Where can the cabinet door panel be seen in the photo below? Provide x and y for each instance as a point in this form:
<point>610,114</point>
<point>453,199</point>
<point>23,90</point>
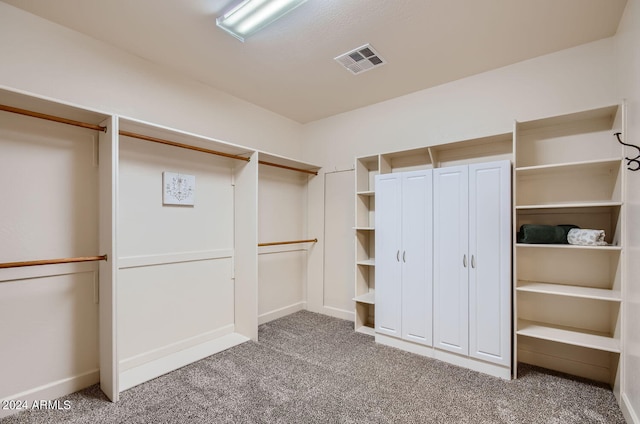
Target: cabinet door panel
<point>388,271</point>
<point>490,272</point>
<point>450,232</point>
<point>417,257</point>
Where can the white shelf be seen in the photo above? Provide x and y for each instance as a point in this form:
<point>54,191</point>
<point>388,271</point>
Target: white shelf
<point>366,193</point>
<point>568,335</point>
<point>599,204</point>
<point>369,331</point>
<point>567,166</point>
<point>568,290</point>
<point>369,298</point>
<point>367,262</point>
<point>363,228</point>
<point>569,246</point>
<point>607,112</point>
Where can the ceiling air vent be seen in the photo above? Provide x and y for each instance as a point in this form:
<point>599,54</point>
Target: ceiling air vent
<point>361,59</point>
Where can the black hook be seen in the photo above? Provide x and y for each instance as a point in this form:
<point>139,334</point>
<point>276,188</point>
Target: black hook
<point>635,160</point>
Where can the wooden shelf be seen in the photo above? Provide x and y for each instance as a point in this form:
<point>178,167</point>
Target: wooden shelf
<point>366,193</point>
<point>568,246</point>
<point>568,335</point>
<point>569,290</point>
<point>363,228</point>
<point>369,298</point>
<point>367,262</point>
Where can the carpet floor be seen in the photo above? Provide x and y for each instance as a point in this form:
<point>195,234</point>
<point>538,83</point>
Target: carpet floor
<point>310,368</point>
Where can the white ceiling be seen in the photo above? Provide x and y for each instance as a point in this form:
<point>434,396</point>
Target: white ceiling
<point>288,67</point>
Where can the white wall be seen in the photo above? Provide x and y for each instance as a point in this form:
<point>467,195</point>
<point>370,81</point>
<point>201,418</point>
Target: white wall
<point>628,66</point>
<point>485,104</point>
<point>45,58</point>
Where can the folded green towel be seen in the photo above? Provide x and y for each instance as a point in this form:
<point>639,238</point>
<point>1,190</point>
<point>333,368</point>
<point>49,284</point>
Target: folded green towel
<point>544,234</point>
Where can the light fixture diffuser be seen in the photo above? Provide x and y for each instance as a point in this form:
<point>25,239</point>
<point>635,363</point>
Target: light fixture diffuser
<point>252,15</point>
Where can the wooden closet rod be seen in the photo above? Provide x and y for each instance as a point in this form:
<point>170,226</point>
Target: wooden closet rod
<point>52,118</point>
<point>53,261</point>
<point>183,146</point>
<point>276,243</point>
<point>262,162</point>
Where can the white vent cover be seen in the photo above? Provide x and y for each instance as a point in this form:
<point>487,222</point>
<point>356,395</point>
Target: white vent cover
<point>360,60</point>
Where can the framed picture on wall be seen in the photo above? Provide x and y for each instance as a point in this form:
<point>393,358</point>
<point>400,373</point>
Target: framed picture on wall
<point>178,189</point>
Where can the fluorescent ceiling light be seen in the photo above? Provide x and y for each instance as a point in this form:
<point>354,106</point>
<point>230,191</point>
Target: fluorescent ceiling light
<point>252,15</point>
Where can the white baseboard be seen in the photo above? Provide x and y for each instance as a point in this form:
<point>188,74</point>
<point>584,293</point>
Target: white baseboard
<point>338,313</point>
<point>150,370</point>
<point>451,358</point>
<point>422,350</point>
<point>282,312</point>
<point>53,390</point>
<point>627,410</point>
<point>164,351</point>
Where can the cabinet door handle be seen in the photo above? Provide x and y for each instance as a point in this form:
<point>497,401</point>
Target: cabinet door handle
<point>473,261</point>
<point>403,256</point>
<point>464,260</point>
<point>398,256</point>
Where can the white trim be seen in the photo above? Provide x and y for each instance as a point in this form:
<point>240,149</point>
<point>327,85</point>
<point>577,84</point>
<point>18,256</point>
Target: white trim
<point>168,363</point>
<point>451,358</point>
<point>338,313</point>
<point>627,410</point>
<point>282,312</point>
<point>166,350</point>
<point>418,349</point>
<point>54,390</point>
<point>173,258</point>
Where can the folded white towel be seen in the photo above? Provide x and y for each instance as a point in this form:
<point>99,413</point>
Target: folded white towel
<point>585,237</point>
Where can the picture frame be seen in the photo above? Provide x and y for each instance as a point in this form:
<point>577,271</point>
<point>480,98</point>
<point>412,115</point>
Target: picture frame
<point>178,189</point>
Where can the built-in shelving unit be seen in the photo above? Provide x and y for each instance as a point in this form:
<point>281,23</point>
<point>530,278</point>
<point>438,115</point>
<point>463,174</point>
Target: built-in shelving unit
<point>366,168</point>
<point>482,149</point>
<point>567,306</point>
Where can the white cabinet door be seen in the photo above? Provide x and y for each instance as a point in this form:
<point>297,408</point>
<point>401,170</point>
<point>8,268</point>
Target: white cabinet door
<point>417,257</point>
<point>388,271</point>
<point>490,262</point>
<point>450,280</point>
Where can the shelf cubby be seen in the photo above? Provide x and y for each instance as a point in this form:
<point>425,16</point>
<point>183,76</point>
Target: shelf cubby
<point>407,160</point>
<point>576,137</point>
<point>570,291</point>
<point>569,335</point>
<point>597,267</point>
<point>593,215</point>
<point>577,182</point>
<point>483,149</point>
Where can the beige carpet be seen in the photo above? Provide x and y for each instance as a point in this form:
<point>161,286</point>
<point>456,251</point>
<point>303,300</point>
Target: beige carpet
<point>309,368</point>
